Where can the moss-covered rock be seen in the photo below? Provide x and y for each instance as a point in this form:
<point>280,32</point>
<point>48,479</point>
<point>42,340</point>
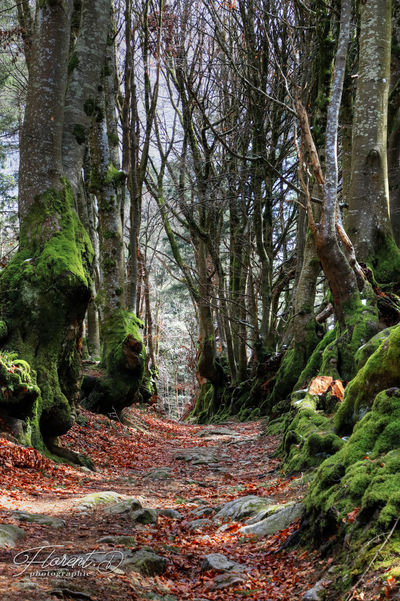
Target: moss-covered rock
<point>309,438</point>
<point>381,371</point>
<point>366,350</point>
<point>363,474</point>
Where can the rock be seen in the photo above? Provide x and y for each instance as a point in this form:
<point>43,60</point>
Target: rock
<point>170,513</point>
<point>39,518</point>
<point>98,498</point>
<point>316,593</point>
<point>210,461</point>
<point>217,432</point>
<point>160,473</point>
<point>9,535</point>
<point>144,516</point>
<point>226,580</point>
<point>124,506</point>
<point>244,507</point>
<point>128,541</point>
<point>276,522</point>
<point>264,513</point>
<point>198,455</point>
<point>198,524</point>
<point>217,561</point>
<point>202,512</point>
<point>147,562</point>
<point>27,585</point>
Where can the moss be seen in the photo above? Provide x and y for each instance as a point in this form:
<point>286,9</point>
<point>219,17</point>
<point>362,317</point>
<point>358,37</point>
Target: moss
<point>89,107</point>
<point>293,365</point>
<point>366,350</point>
<point>113,139</point>
<point>123,358</point>
<point>365,473</point>
<point>314,363</point>
<point>203,410</point>
<point>79,133</point>
<point>73,62</point>
<point>385,262</point>
<point>115,176</point>
<point>309,439</point>
<point>45,290</point>
<point>379,372</point>
<point>18,388</point>
<point>3,331</point>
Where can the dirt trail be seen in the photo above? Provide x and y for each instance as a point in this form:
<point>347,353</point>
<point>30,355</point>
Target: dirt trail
<point>203,468</point>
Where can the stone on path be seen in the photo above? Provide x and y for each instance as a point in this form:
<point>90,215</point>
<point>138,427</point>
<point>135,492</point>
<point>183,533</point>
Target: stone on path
<point>95,499</point>
<point>219,562</point>
<point>316,593</point>
<point>264,513</point>
<point>143,516</point>
<point>276,522</point>
<point>159,473</point>
<point>243,507</point>
<point>197,455</point>
<point>226,580</point>
<point>39,518</point>
<point>198,524</point>
<point>128,541</point>
<point>147,562</point>
<point>9,535</point>
<point>217,432</point>
<point>124,506</point>
<point>201,512</point>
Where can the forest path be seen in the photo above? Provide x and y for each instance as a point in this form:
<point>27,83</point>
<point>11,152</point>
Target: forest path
<point>186,473</point>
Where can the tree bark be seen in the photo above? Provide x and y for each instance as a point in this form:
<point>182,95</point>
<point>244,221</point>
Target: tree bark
<point>46,288</point>
<point>367,221</point>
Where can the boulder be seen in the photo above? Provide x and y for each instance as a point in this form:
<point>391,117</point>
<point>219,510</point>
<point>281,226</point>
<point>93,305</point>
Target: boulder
<point>124,506</point>
<point>143,516</point>
<point>197,455</point>
<point>159,473</point>
<point>201,512</point>
<point>316,593</point>
<point>147,562</point>
<point>9,535</point>
<point>198,524</point>
<point>264,513</point>
<point>95,499</point>
<point>244,507</point>
<point>276,522</point>
<point>39,518</point>
<point>226,580</point>
<point>220,563</point>
<point>217,431</point>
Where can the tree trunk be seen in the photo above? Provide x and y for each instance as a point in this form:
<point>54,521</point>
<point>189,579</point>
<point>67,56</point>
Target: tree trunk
<point>46,287</point>
<point>368,222</point>
<point>123,354</point>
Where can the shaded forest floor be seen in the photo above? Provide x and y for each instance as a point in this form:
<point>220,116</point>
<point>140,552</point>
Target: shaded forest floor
<point>223,467</point>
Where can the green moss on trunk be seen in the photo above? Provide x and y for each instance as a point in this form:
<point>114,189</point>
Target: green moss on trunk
<point>45,290</point>
<point>124,360</point>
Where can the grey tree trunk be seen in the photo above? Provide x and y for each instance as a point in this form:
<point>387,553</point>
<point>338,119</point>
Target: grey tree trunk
<point>367,221</point>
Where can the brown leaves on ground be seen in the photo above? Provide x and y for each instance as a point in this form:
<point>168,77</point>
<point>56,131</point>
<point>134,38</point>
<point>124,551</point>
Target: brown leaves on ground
<point>123,456</point>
